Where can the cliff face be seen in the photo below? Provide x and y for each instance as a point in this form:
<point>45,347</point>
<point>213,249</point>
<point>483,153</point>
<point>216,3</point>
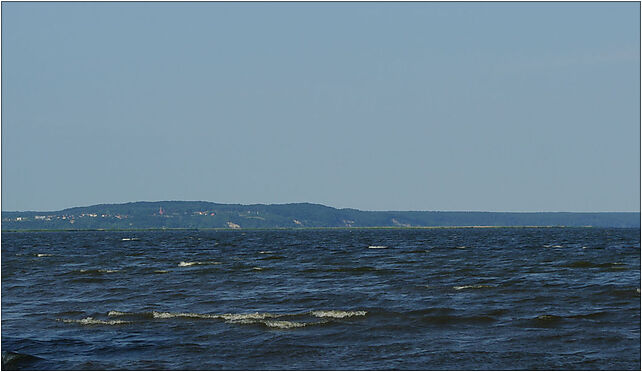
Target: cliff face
<point>190,214</point>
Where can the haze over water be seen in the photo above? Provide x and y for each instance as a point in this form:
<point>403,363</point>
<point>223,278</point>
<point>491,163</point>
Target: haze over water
<point>463,299</point>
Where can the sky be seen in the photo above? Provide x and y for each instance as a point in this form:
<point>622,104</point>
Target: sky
<point>374,106</point>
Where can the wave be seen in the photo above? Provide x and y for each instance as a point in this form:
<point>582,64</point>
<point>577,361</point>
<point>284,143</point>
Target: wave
<point>620,292</point>
<point>91,321</point>
<point>475,286</point>
<point>599,314</point>
<point>164,315</point>
<point>377,247</point>
<point>16,361</point>
<point>266,319</point>
<point>250,316</point>
<point>128,239</point>
<point>549,318</point>
<point>168,315</point>
<point>118,313</point>
<point>95,271</point>
<point>89,271</point>
<point>44,255</point>
<point>194,263</point>
<point>552,319</point>
<point>243,318</point>
<point>337,313</point>
<point>284,324</point>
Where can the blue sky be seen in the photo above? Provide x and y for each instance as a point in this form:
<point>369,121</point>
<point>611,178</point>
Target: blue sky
<point>375,106</point>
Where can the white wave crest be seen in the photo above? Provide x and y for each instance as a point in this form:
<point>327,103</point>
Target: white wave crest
<point>44,255</point>
<point>90,320</point>
<point>337,313</point>
<point>183,263</point>
<point>283,324</point>
<point>98,271</point>
<point>247,316</point>
<point>164,315</point>
<point>477,286</point>
<point>377,246</point>
<point>117,313</point>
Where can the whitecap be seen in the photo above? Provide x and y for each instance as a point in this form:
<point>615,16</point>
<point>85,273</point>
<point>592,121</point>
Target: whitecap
<point>377,246</point>
<point>265,252</point>
<point>90,321</point>
<point>44,255</point>
<point>477,286</point>
<point>98,271</point>
<point>257,268</point>
<point>337,313</point>
<point>164,315</point>
<point>184,264</point>
<point>242,321</point>
<point>283,324</point>
<point>250,316</point>
<point>117,313</point>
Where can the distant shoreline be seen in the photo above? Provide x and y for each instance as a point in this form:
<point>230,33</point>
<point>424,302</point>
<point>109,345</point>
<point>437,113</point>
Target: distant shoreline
<point>315,228</point>
<point>190,215</point>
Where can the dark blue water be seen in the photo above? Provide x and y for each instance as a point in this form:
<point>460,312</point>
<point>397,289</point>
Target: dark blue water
<point>559,298</point>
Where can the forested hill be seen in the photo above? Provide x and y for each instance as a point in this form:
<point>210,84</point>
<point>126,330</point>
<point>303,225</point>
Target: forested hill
<point>197,214</point>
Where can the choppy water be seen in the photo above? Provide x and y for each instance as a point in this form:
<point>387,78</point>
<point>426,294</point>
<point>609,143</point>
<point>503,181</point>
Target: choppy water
<point>559,298</point>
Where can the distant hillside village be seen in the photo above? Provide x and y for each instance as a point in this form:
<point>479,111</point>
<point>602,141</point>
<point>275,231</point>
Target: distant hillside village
<point>55,217</point>
<point>81,218</point>
<point>199,215</point>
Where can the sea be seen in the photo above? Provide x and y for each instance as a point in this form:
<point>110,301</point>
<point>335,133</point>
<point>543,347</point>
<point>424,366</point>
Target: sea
<point>344,299</point>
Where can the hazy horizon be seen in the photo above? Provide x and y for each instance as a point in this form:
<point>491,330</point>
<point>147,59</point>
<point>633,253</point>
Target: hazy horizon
<point>498,107</point>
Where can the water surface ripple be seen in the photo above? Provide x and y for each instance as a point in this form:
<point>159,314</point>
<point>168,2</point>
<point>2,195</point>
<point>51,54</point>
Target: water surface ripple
<point>370,299</point>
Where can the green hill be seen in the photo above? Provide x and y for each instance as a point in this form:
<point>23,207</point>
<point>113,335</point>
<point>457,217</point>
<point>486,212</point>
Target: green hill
<point>199,214</point>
